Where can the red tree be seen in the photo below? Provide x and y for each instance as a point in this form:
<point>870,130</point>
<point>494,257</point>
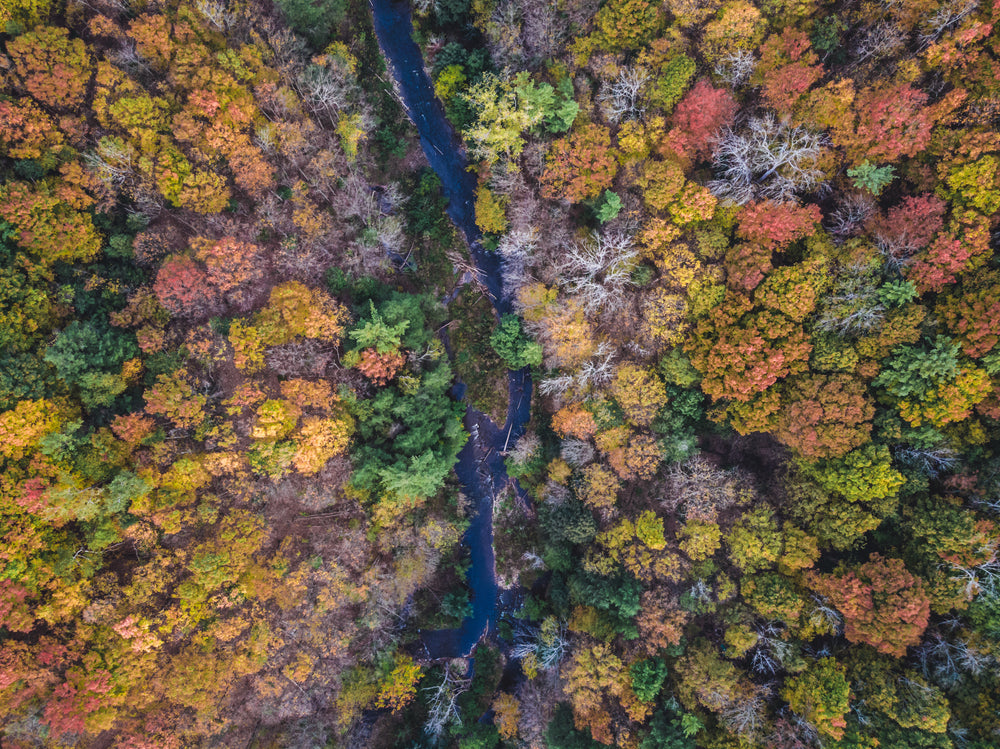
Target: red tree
<point>825,416</point>
<point>883,604</point>
<point>912,223</point>
<point>890,122</point>
<point>183,288</point>
<point>777,225</point>
<point>700,115</point>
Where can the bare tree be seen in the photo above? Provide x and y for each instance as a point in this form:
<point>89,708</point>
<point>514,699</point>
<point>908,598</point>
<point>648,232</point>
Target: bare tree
<point>746,715</point>
<point>767,159</point>
<point>944,18</point>
<point>597,271</point>
<point>516,249</point>
<point>543,29</point>
<point>850,215</point>
<point>622,98</point>
<point>825,617</point>
<point>884,39</point>
<point>736,67</point>
<point>932,461</point>
<point>854,306</point>
<point>576,452</point>
<point>702,489</point>
<point>547,643</point>
<point>442,701</point>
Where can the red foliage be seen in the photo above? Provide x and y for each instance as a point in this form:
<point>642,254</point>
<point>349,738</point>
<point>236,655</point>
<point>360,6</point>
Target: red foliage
<point>974,315</point>
<point>235,268</point>
<point>891,121</point>
<point>700,115</point>
<point>380,368</point>
<point>184,289</point>
<point>15,611</point>
<point>883,604</point>
<point>766,226</point>
<point>910,225</point>
<point>789,68</point>
<point>777,225</point>
<point>938,266</point>
<point>825,416</point>
<point>746,265</point>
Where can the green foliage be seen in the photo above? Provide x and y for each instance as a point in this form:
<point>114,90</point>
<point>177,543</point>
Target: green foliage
<point>425,210</point>
<point>872,178</point>
<point>449,12</point>
<point>669,86</point>
<point>570,521</point>
<point>512,344</point>
<point>562,734</point>
<point>897,293</point>
<point>609,207</point>
<point>825,36</point>
<point>668,732</point>
<point>88,355</point>
<point>914,370</point>
<point>316,20</point>
<point>864,474</point>
<point>648,677</point>
<point>375,332</point>
<point>617,597</point>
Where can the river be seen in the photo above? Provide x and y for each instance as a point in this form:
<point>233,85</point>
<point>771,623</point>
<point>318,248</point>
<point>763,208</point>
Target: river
<point>480,467</point>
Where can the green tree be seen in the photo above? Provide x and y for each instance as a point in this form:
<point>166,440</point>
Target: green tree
<point>513,345</point>
<point>88,355</point>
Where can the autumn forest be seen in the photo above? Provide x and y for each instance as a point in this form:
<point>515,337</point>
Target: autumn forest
<point>741,258</point>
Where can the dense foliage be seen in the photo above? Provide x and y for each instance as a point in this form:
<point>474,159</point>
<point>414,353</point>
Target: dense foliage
<point>751,252</point>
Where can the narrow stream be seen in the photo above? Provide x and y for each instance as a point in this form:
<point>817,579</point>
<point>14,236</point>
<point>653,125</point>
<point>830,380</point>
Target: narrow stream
<point>480,467</point>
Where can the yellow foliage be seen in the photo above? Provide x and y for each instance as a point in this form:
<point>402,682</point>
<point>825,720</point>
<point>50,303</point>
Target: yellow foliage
<point>665,315</point>
<point>321,439</point>
<point>490,216</point>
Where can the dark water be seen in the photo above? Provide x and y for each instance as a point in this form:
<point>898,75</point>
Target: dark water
<point>480,467</point>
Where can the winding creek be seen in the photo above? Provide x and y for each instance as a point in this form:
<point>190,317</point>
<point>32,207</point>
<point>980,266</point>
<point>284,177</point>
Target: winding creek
<point>480,467</point>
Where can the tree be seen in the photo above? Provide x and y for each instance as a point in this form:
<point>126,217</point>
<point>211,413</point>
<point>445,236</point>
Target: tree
<point>909,226</point>
<point>872,178</point>
<point>889,122</point>
<point>742,353</point>
<point>591,673</point>
<point>737,26</point>
<point>824,416</point>
<point>172,397</point>
<point>51,67</point>
<point>972,312</point>
<point>700,116</point>
<point>598,487</point>
<point>513,345</point>
<point>627,24</point>
<point>50,221</point>
<point>768,159</point>
<point>821,695</point>
<point>399,686</point>
<point>580,166</point>
<point>89,356</point>
<point>640,393</point>
<point>183,288</point>
<point>883,604</point>
<point>775,226</point>
<point>501,117</point>
<point>788,68</point>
